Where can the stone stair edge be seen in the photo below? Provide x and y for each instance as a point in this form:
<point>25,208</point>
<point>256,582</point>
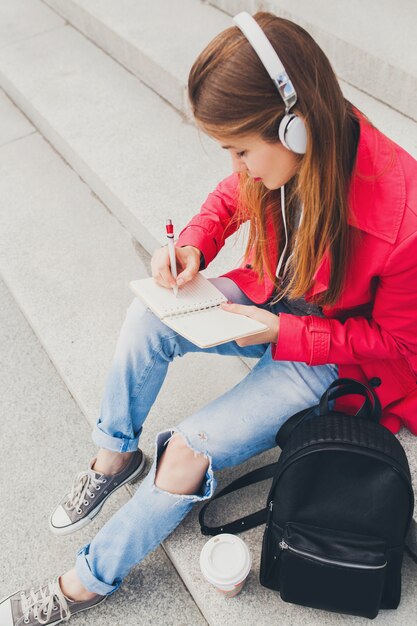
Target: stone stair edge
<point>355,62</point>
<point>406,438</point>
<point>170,134</point>
<point>146,63</point>
<point>400,127</point>
<point>174,542</point>
<point>53,433</point>
<point>364,69</point>
<point>71,158</point>
<point>74,302</point>
<point>140,228</point>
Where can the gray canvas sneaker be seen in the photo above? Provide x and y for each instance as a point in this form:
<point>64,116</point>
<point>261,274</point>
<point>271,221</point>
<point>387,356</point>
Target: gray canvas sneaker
<point>89,492</point>
<point>45,604</point>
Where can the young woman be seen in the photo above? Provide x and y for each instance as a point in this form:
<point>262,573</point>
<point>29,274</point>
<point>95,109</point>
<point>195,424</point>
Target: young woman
<point>330,268</point>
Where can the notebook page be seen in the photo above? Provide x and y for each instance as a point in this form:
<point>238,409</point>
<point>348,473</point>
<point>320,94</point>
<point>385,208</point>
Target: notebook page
<point>199,293</point>
<point>211,327</point>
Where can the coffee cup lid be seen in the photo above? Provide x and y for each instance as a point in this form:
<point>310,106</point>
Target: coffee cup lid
<point>225,559</point>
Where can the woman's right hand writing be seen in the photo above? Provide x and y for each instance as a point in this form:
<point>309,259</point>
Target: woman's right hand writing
<point>188,264</point>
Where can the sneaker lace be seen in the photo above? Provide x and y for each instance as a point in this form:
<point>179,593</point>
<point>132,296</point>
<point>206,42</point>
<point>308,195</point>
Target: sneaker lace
<point>42,600</point>
<point>83,485</point>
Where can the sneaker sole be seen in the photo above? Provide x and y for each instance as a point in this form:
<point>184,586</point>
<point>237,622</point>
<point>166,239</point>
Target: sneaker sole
<point>68,530</point>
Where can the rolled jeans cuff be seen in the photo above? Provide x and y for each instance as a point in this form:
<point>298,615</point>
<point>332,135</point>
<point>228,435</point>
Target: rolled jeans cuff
<point>90,582</point>
<point>115,444</point>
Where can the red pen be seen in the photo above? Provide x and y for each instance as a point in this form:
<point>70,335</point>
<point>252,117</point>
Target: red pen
<point>173,262</point>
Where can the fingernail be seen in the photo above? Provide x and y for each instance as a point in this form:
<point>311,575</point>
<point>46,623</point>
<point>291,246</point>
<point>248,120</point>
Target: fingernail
<point>180,281</point>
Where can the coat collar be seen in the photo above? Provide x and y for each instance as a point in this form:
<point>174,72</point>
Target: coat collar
<point>377,188</point>
<point>376,194</point>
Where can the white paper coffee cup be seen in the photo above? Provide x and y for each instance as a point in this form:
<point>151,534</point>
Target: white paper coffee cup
<point>225,562</point>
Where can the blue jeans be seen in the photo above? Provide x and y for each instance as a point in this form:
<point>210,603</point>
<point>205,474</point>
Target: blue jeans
<point>229,430</point>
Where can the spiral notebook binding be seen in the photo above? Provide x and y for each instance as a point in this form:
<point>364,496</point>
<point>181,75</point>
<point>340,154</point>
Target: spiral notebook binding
<point>186,310</point>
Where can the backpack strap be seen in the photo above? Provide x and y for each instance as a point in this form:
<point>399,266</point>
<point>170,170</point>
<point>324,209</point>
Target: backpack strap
<point>371,408</point>
<point>243,523</point>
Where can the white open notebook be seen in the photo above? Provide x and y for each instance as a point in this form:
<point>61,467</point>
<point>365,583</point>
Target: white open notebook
<point>195,313</point>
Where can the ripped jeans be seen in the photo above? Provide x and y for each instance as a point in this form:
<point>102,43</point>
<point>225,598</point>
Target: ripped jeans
<point>235,426</point>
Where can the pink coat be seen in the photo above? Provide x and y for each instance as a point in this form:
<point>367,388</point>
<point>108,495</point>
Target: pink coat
<point>371,332</point>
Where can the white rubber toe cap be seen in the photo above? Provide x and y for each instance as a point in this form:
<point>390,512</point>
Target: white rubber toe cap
<point>59,518</point>
<point>6,618</point>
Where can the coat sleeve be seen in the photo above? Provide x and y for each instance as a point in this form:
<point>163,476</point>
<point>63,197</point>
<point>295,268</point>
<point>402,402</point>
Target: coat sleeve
<point>391,333</point>
<point>209,229</point>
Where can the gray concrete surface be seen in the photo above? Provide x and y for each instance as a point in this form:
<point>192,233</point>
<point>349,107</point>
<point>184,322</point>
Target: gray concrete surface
<point>37,19</point>
<point>155,40</point>
<point>66,85</point>
<point>370,44</point>
<point>375,53</point>
<point>74,295</point>
<point>14,125</point>
<point>67,261</point>
<point>135,151</point>
<point>45,443</point>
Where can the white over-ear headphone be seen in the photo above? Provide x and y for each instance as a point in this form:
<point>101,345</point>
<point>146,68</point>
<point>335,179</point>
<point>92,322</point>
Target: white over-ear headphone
<point>292,131</point>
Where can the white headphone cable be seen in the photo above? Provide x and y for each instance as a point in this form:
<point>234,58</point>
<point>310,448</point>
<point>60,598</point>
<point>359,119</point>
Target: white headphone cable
<point>281,258</point>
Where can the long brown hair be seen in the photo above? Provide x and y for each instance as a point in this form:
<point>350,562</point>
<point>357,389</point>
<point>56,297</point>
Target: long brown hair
<point>231,94</point>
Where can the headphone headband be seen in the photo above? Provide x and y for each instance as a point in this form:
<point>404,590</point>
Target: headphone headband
<point>270,59</point>
<point>292,131</point>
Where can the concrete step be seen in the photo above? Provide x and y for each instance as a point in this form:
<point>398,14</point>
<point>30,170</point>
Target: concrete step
<point>370,44</point>
<point>373,52</point>
<point>134,150</point>
<point>88,106</point>
<point>62,300</point>
<point>49,441</point>
<point>67,263</point>
<point>74,296</point>
<point>156,41</point>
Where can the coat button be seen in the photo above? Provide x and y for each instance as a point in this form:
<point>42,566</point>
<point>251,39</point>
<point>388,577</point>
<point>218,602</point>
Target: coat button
<point>375,381</point>
<point>248,266</point>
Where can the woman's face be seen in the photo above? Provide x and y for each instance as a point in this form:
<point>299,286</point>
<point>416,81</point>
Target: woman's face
<point>272,164</point>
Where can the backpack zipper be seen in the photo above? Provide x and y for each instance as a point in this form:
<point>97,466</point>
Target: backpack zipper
<point>284,546</point>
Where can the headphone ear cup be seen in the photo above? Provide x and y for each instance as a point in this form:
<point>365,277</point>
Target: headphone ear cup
<point>292,133</point>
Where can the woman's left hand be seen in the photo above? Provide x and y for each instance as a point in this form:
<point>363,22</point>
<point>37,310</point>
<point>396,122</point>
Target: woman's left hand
<point>269,319</point>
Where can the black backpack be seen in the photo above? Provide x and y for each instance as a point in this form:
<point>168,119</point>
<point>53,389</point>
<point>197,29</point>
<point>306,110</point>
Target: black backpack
<point>338,511</point>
